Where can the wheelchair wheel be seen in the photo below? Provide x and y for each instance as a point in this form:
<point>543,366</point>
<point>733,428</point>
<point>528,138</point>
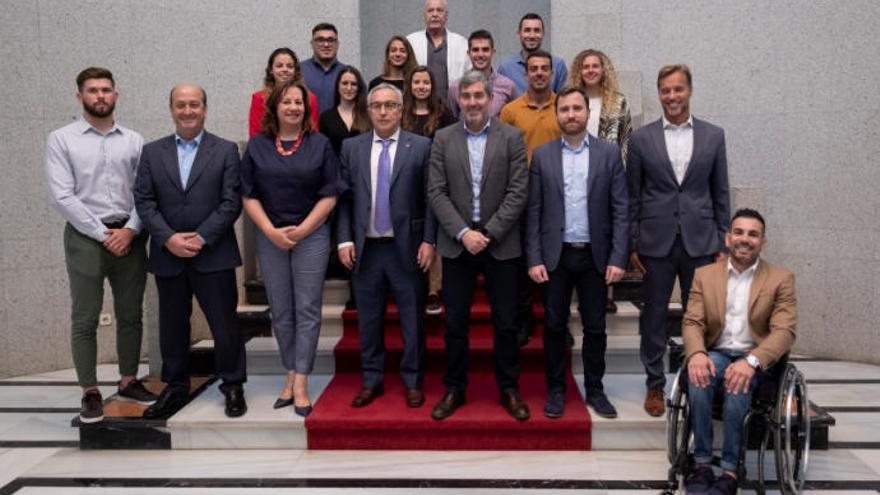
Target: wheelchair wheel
<point>792,435</point>
<point>678,424</point>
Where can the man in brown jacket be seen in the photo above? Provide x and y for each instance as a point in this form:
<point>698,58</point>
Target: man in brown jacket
<point>741,318</point>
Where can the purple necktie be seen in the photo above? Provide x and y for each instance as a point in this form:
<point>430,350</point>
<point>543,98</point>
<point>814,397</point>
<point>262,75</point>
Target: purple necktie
<point>382,221</point>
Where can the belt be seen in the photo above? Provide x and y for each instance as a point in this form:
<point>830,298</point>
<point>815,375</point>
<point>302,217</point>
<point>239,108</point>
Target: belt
<point>576,245</point>
<point>117,224</point>
<point>380,240</point>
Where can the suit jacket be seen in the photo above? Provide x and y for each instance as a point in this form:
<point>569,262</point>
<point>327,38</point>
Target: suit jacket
<point>658,205</point>
<point>772,311</point>
<point>503,188</point>
<point>411,218</point>
<point>208,204</point>
<point>457,60</point>
<point>607,205</point>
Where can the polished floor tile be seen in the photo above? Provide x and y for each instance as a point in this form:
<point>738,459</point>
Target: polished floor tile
<point>838,370</point>
<point>45,396</point>
<point>855,427</point>
<point>42,427</point>
<point>848,395</point>
<point>16,462</point>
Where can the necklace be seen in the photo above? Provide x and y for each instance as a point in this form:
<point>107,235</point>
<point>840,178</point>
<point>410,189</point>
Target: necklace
<point>283,152</point>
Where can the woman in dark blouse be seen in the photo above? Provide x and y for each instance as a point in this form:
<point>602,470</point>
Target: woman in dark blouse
<point>423,109</point>
<point>399,60</point>
<point>349,117</point>
<point>289,180</point>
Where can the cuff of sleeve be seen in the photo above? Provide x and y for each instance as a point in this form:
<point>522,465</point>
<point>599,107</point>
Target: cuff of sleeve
<point>461,234</point>
<point>344,244</point>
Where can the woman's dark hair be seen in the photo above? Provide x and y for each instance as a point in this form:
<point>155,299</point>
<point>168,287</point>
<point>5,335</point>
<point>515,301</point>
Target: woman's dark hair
<point>269,80</point>
<point>270,118</point>
<point>410,56</point>
<point>435,104</point>
<point>360,119</point>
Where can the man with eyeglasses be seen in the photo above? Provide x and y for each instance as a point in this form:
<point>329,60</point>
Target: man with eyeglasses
<point>444,52</point>
<point>386,238</point>
<point>320,71</point>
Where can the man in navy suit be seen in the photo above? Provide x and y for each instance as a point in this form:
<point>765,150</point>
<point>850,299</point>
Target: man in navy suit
<point>187,194</point>
<point>576,238</point>
<point>679,212</point>
<point>386,236</point>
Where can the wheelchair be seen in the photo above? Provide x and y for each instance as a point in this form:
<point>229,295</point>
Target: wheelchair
<point>779,417</point>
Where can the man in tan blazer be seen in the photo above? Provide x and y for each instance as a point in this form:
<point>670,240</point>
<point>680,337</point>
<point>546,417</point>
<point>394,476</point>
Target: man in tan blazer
<point>741,318</point>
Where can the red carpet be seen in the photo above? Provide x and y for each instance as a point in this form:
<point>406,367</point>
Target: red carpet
<point>481,424</point>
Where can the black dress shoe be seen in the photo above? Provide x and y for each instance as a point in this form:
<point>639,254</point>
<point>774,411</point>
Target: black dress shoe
<point>447,405</point>
<point>303,410</point>
<point>367,395</point>
<point>235,404</point>
<point>414,397</point>
<point>279,403</point>
<point>514,405</point>
<point>169,402</point>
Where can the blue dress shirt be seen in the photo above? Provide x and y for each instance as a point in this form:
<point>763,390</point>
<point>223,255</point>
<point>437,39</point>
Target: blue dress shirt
<point>476,143</point>
<point>576,171</point>
<point>186,155</point>
<point>514,68</point>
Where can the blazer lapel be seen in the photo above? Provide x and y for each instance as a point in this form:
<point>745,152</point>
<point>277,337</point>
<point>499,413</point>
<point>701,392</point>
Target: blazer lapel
<point>757,284</point>
<point>720,300</point>
<point>172,166</point>
<point>660,144</point>
<point>400,157</point>
<point>202,159</point>
<point>699,134</point>
<point>488,153</point>
<point>593,172</point>
<point>461,139</point>
<point>364,165</point>
<point>557,170</point>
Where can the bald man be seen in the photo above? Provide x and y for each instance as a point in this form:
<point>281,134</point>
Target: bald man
<point>187,194</point>
<point>444,52</point>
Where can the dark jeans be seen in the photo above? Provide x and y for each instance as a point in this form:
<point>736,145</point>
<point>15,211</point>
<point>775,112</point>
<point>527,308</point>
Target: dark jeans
<point>459,282</point>
<point>656,291</point>
<point>577,271</point>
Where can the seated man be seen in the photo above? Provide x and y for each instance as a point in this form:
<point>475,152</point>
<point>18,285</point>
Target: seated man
<point>740,318</point>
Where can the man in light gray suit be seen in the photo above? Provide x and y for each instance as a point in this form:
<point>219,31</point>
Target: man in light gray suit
<point>478,189</point>
<point>386,237</point>
<point>679,212</point>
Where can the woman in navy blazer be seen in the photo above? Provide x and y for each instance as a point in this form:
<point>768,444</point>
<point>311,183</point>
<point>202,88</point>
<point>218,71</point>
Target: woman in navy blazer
<point>290,182</point>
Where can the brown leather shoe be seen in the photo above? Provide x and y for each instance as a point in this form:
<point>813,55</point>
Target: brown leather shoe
<point>514,405</point>
<point>655,403</point>
<point>447,405</point>
<point>414,397</point>
<point>367,395</point>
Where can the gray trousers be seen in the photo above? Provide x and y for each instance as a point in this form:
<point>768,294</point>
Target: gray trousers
<point>294,283</point>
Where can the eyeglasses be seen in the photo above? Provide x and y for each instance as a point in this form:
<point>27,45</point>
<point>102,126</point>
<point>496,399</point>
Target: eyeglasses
<point>389,106</point>
<point>324,41</point>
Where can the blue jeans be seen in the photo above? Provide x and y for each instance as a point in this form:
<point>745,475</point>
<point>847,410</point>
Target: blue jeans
<point>735,408</point>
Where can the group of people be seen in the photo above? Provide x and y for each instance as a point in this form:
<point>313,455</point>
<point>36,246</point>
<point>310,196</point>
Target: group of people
<point>530,174</point>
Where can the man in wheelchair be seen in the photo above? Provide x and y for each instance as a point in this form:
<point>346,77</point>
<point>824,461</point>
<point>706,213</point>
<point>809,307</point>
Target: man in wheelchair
<point>741,318</point>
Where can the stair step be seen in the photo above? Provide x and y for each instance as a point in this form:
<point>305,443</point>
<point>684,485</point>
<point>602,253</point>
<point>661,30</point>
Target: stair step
<point>202,424</point>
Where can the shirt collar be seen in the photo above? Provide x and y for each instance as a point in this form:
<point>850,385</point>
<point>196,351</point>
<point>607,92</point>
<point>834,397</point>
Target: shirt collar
<point>582,147</point>
<point>318,65</point>
<point>394,137</point>
<point>689,123</point>
<point>483,131</point>
<point>195,141</point>
<point>752,269</point>
<point>84,127</point>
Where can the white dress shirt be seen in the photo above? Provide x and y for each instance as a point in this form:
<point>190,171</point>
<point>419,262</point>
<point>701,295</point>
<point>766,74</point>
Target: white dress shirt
<point>375,151</point>
<point>595,115</point>
<point>736,335</point>
<point>679,145</point>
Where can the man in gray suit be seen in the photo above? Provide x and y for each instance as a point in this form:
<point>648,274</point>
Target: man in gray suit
<point>679,212</point>
<point>478,189</point>
<point>576,238</point>
<point>386,237</point>
<point>187,194</point>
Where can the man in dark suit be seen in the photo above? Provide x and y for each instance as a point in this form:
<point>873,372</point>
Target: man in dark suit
<point>478,189</point>
<point>386,237</point>
<point>187,194</point>
<point>576,238</point>
<point>679,211</point>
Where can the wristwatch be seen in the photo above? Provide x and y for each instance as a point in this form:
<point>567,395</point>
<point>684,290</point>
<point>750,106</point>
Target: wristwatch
<point>753,361</point>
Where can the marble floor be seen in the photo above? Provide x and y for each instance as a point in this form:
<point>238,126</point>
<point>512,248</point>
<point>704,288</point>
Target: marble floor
<point>37,455</point>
